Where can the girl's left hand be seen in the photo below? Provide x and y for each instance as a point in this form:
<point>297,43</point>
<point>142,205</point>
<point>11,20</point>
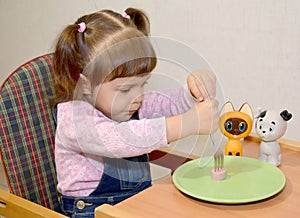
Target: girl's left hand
<point>202,84</point>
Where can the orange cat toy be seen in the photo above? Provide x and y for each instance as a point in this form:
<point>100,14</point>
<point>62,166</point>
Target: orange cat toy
<point>235,124</point>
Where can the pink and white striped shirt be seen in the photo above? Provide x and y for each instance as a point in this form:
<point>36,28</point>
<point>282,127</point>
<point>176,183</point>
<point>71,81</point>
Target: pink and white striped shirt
<point>84,135</point>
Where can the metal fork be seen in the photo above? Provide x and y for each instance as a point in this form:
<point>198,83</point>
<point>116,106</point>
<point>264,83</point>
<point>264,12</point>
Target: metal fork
<point>219,160</point>
<point>216,152</point>
<point>218,156</point>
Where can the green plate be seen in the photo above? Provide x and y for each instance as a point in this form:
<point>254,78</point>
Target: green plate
<point>247,180</point>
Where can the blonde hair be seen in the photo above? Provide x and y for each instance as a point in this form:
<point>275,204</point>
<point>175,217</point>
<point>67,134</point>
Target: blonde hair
<point>109,47</point>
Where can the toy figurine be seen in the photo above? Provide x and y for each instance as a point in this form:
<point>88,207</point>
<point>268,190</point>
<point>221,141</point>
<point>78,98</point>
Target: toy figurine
<point>235,124</point>
<point>270,126</point>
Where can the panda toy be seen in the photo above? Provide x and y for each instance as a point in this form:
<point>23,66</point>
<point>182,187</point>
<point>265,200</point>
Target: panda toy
<point>270,126</point>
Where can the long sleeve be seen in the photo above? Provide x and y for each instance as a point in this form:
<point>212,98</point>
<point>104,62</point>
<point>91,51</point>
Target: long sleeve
<point>81,128</point>
<point>166,103</point>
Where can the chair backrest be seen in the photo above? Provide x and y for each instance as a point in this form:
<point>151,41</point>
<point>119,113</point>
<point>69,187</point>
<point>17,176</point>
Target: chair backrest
<point>27,132</point>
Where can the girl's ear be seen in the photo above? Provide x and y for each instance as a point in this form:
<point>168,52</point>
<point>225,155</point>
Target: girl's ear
<point>246,109</point>
<point>227,107</point>
<point>86,85</point>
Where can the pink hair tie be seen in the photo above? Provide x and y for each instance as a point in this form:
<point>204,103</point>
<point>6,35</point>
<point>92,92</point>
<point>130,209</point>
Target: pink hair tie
<point>82,27</point>
<point>125,15</point>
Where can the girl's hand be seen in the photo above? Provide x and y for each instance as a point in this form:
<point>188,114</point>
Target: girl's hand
<point>203,117</point>
<point>202,85</point>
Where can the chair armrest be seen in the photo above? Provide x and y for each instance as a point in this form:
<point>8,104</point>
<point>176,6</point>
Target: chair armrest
<point>14,206</point>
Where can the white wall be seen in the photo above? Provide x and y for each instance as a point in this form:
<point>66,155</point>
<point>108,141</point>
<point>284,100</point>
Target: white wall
<point>252,45</point>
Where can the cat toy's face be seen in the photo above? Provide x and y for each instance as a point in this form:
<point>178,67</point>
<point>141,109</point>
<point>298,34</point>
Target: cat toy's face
<point>235,124</point>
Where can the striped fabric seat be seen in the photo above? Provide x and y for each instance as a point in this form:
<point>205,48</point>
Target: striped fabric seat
<point>27,132</point>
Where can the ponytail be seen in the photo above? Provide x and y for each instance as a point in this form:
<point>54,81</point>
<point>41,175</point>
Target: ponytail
<point>67,62</point>
<point>140,20</point>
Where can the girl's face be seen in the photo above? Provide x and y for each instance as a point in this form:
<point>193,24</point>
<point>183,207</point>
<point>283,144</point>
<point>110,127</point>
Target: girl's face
<point>120,98</point>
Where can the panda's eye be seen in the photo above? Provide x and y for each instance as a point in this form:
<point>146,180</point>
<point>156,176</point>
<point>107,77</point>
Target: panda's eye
<point>270,129</point>
<point>228,125</point>
<point>242,126</point>
<point>260,127</point>
<point>260,119</point>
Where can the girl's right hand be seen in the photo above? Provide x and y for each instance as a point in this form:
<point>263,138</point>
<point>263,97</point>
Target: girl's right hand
<point>202,118</point>
<point>202,84</point>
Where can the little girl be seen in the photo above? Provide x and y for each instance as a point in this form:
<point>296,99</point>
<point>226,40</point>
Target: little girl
<point>106,124</point>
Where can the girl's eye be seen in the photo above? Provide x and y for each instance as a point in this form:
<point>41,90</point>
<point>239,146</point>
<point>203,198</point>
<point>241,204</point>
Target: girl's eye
<point>242,126</point>
<point>124,90</point>
<point>228,125</point>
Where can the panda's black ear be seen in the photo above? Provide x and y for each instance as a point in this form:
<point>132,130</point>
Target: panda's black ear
<point>262,114</point>
<point>286,115</point>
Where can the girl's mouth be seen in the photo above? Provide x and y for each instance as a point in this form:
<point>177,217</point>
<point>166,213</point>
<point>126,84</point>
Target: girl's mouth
<point>132,112</point>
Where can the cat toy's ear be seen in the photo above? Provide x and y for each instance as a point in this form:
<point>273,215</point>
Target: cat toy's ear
<point>246,109</point>
<point>227,107</point>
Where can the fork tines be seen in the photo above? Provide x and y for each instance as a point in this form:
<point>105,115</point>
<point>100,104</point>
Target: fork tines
<point>218,161</point>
